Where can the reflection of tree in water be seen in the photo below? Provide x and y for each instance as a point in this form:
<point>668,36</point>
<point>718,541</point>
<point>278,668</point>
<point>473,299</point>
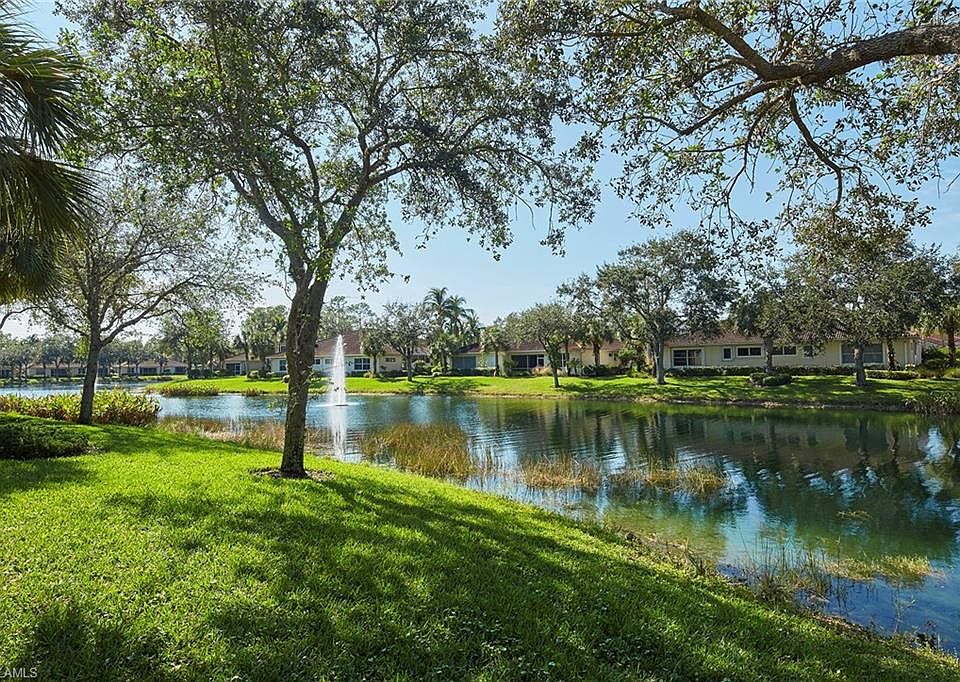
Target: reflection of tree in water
<point>880,503</point>
<point>864,481</point>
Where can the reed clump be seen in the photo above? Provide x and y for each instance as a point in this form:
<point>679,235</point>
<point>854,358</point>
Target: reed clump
<point>560,472</point>
<point>698,479</point>
<point>249,433</point>
<point>439,450</point>
<point>896,569</point>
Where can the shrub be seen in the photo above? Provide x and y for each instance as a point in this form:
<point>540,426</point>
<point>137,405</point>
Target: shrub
<point>109,407</point>
<point>897,374</point>
<point>421,367</point>
<point>756,378</point>
<point>27,438</point>
<point>777,380</point>
<point>186,389</point>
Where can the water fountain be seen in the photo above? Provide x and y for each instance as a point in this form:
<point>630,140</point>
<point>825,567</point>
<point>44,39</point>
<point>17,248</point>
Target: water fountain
<point>337,394</point>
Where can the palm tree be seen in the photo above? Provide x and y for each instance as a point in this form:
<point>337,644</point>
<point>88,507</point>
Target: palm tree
<point>43,201</point>
<point>451,320</point>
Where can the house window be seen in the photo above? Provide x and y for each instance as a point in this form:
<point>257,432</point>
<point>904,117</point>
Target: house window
<point>361,364</point>
<point>389,359</point>
<point>328,361</point>
<point>728,353</point>
<point>872,354</point>
<point>612,355</point>
<point>688,357</point>
<point>527,361</point>
<point>784,350</point>
<point>749,351</point>
<point>283,365</point>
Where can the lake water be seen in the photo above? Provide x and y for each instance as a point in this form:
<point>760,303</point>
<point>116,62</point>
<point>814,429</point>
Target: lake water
<point>844,485</point>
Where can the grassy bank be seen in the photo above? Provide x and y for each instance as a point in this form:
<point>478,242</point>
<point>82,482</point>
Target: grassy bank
<point>163,557</point>
<point>804,390</point>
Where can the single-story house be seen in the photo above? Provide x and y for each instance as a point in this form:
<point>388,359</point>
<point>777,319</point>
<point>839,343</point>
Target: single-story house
<point>530,355</point>
<point>354,359</point>
<point>78,369</point>
<point>240,365</point>
<point>735,350</point>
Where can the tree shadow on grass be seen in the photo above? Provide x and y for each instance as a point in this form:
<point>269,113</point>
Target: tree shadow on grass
<point>381,577</point>
<point>68,642</point>
<point>19,475</point>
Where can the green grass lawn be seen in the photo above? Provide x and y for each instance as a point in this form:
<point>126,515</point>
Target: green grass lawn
<point>162,557</point>
<point>815,390</point>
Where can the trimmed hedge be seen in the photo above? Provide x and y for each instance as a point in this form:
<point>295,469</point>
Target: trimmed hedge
<point>897,374</point>
<point>748,371</point>
<point>29,438</point>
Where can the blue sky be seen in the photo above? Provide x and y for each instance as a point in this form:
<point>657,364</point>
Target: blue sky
<point>527,272</point>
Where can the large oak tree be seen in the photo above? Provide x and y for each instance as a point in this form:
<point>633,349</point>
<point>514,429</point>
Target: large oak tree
<point>316,115</point>
<point>704,99</point>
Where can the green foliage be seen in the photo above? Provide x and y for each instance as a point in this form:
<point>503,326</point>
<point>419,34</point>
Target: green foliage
<point>936,402</point>
<point>703,99</point>
<point>898,374</point>
<point>44,201</point>
<point>184,389</point>
<point>549,324</point>
<point>109,407</point>
<point>665,287</point>
<point>29,438</point>
<point>771,379</point>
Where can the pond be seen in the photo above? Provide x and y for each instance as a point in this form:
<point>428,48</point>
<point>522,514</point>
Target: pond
<point>875,493</point>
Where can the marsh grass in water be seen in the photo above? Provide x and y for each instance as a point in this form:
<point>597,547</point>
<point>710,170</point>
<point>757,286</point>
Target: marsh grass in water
<point>895,569</point>
<point>563,471</point>
<point>782,573</point>
<point>438,450</point>
<point>109,407</point>
<point>695,479</point>
<point>250,433</point>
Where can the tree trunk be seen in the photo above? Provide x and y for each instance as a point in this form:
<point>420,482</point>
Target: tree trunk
<point>658,362</point>
<point>496,363</point>
<point>556,376</point>
<point>891,355</point>
<point>596,358</point>
<point>861,373</point>
<point>374,365</point>
<point>90,382</point>
<point>409,363</point>
<point>303,323</point>
<point>952,345</point>
<point>768,351</point>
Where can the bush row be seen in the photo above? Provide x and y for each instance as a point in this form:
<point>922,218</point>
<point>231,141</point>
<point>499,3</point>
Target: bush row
<point>109,407</point>
<point>181,390</point>
<point>876,371</point>
<point>29,438</point>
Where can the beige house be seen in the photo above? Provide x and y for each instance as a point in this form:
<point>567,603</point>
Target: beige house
<point>529,355</point>
<point>239,365</point>
<point>734,350</point>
